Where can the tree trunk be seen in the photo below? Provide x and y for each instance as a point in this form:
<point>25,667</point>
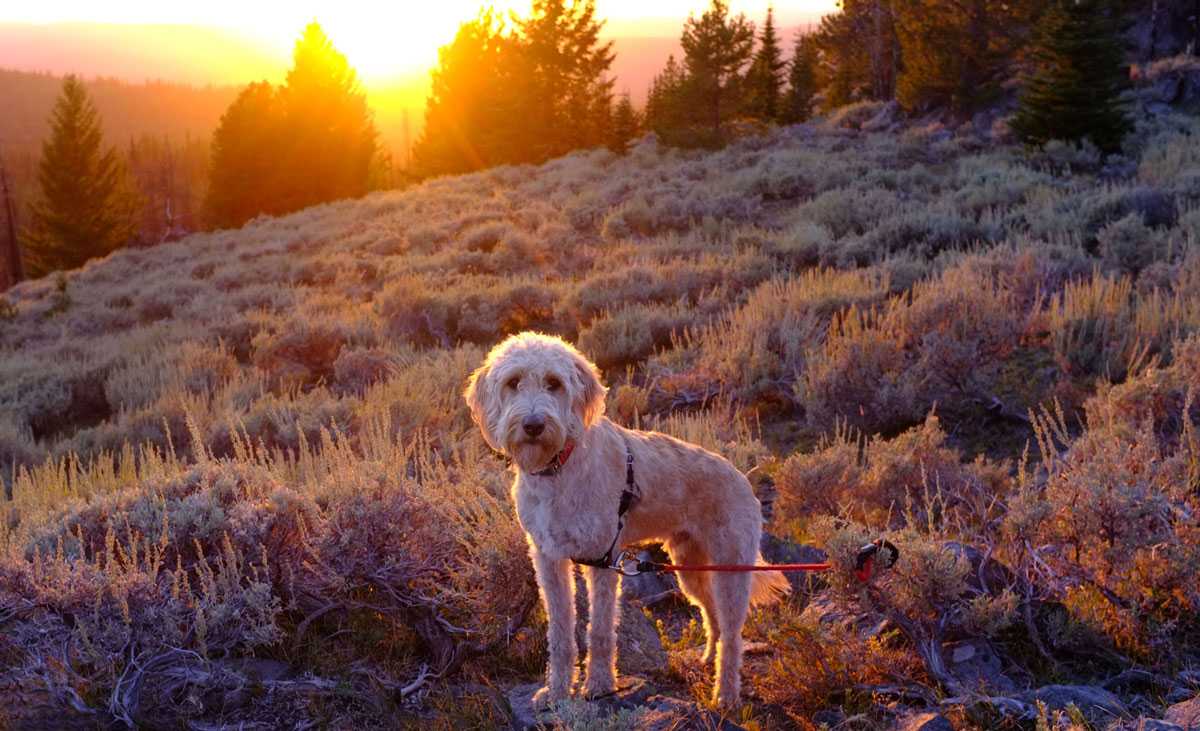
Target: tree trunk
<point>14,271</point>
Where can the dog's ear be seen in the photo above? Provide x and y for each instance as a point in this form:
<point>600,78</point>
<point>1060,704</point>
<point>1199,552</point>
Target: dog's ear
<point>589,394</point>
<point>481,399</point>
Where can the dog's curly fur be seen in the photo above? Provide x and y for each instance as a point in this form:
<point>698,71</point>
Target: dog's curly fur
<point>693,501</point>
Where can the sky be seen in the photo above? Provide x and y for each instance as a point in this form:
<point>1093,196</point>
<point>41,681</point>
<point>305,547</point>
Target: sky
<point>383,40</point>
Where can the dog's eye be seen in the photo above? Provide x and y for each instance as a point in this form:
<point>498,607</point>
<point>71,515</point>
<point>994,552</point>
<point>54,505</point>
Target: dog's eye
<point>513,382</point>
<point>553,384</point>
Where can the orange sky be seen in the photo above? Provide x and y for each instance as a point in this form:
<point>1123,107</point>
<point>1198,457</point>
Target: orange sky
<point>384,40</point>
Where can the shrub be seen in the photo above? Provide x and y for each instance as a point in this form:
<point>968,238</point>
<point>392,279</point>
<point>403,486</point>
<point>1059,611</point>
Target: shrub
<point>301,354</point>
<point>630,335</point>
<point>761,347</point>
<point>886,481</point>
<point>943,342</point>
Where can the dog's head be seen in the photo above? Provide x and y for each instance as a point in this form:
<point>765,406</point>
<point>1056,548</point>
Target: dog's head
<point>532,393</point>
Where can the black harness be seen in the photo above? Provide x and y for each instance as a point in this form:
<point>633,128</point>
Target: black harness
<point>630,494</point>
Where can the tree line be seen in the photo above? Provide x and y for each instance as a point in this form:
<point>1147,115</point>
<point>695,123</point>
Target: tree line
<point>511,90</point>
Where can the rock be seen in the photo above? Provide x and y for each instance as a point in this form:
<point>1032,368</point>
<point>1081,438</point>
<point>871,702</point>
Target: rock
<point>1185,714</point>
<point>1157,209</point>
<point>778,550</point>
<point>830,717</point>
<point>1097,704</point>
<point>989,577</point>
<point>975,665</point>
<point>640,706</point>
<point>639,648</point>
<point>923,722</point>
<point>824,611</point>
<point>646,586</point>
<point>1144,724</point>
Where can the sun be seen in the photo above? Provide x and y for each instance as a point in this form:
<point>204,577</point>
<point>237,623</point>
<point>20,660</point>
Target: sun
<point>397,39</point>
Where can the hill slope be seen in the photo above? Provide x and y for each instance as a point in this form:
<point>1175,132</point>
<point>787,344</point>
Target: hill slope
<point>257,449</point>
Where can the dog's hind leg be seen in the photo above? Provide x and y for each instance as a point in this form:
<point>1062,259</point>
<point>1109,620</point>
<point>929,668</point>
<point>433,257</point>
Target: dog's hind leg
<point>732,594</point>
<point>602,586</point>
<point>697,587</point>
<point>557,585</point>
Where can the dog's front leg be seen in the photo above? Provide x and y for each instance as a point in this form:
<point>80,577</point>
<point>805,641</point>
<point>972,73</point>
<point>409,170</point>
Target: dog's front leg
<point>558,595</point>
<point>602,631</point>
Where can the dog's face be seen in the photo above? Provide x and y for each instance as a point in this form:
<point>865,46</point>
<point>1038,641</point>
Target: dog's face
<point>532,394</point>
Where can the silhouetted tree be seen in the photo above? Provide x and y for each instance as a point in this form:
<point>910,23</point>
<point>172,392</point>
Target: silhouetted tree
<point>327,126</point>
<point>464,113</point>
<point>1074,90</point>
<point>625,125</point>
<point>956,53</point>
<point>860,54</point>
<point>802,80</point>
<point>523,95</point>
<point>666,110</point>
<point>246,154</point>
<point>765,79</point>
<point>716,48</point>
<point>87,207</point>
<point>310,141</point>
<point>562,83</point>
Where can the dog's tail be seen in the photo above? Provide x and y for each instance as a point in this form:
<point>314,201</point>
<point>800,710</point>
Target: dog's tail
<point>767,587</point>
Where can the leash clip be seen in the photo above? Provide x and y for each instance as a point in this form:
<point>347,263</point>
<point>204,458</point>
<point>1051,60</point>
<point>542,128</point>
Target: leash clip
<point>626,564</point>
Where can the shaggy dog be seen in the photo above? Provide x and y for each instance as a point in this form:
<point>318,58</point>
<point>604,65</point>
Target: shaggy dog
<point>540,402</point>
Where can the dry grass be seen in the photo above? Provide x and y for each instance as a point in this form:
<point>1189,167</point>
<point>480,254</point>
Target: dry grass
<point>250,444</point>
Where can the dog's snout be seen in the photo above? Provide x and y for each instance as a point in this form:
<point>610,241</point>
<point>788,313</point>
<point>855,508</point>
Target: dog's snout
<point>534,425</point>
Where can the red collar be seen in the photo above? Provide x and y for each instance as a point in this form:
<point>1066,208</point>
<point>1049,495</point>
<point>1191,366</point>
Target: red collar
<point>559,460</point>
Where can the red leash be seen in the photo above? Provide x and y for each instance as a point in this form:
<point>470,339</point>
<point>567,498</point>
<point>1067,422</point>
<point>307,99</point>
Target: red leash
<point>864,563</point>
<point>731,567</point>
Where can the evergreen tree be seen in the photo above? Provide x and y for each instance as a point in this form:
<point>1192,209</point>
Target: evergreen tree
<point>802,80</point>
<point>246,153</point>
<point>764,80</point>
<point>957,52</point>
<point>87,207</point>
<point>562,84</point>
<point>1074,90</point>
<point>665,110</point>
<point>464,113</point>
<point>716,48</point>
<point>625,125</point>
<point>327,126</point>
<point>860,53</point>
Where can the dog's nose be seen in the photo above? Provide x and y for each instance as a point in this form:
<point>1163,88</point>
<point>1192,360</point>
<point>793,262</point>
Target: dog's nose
<point>533,426</point>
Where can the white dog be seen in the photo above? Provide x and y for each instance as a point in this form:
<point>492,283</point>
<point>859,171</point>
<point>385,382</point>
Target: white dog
<point>539,401</point>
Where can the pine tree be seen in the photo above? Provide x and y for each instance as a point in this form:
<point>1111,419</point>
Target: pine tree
<point>246,153</point>
<point>465,112</point>
<point>1079,73</point>
<point>562,84</point>
<point>802,80</point>
<point>87,207</point>
<point>957,52</point>
<point>764,80</point>
<point>859,51</point>
<point>625,125</point>
<point>665,102</point>
<point>327,125</point>
<point>716,48</point>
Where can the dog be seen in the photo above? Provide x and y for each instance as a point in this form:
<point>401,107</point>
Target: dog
<point>540,402</point>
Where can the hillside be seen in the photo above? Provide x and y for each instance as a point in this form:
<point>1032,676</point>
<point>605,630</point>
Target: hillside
<point>243,487</point>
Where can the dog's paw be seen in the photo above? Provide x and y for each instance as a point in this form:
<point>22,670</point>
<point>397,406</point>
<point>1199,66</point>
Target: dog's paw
<point>599,686</point>
<point>544,698</point>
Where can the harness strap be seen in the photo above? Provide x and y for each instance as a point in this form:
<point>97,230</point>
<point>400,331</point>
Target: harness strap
<point>631,493</point>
